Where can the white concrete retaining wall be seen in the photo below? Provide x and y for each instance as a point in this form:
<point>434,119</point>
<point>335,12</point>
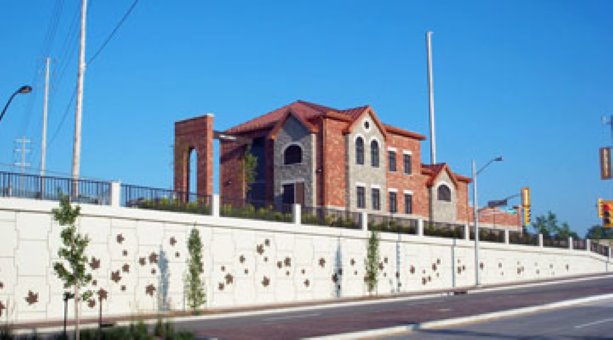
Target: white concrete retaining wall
<point>247,262</point>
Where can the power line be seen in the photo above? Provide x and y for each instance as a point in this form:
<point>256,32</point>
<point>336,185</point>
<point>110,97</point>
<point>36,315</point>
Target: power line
<point>108,39</point>
<point>100,49</point>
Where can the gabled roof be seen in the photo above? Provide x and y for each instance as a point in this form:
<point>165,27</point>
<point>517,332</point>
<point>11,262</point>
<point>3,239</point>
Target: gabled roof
<point>306,112</point>
<point>434,171</point>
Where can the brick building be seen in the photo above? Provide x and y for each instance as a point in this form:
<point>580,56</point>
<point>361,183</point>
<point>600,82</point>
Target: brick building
<point>319,156</point>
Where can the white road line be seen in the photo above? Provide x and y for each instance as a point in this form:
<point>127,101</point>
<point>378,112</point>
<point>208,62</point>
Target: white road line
<point>289,317</point>
<point>593,323</point>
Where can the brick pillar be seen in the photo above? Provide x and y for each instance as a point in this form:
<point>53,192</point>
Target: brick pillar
<point>194,134</point>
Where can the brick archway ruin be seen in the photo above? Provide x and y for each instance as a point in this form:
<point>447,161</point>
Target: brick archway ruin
<point>195,134</point>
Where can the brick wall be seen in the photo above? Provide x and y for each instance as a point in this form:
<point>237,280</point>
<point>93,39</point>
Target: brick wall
<point>415,182</point>
<point>194,134</point>
<point>334,163</point>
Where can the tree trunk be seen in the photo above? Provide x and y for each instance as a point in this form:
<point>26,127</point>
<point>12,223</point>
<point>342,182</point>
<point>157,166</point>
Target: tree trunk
<point>76,312</point>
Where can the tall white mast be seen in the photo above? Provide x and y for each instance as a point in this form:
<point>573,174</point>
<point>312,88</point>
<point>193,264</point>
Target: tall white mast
<point>76,150</point>
<point>43,139</point>
<point>431,99</point>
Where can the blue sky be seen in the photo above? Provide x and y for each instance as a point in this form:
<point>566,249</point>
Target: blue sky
<point>528,80</point>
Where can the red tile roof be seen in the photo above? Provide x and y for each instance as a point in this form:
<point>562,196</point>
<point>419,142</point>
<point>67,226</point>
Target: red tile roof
<point>306,112</point>
<point>433,171</point>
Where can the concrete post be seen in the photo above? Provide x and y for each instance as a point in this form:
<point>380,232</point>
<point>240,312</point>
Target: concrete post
<point>587,244</point>
<point>297,213</point>
<point>541,240</point>
<point>420,227</point>
<point>506,236</point>
<point>364,221</point>
<point>609,253</point>
<point>115,194</point>
<point>467,232</point>
<point>215,206</point>
<point>570,242</point>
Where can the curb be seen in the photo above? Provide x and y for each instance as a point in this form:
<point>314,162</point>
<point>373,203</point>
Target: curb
<point>469,289</point>
<point>464,319</point>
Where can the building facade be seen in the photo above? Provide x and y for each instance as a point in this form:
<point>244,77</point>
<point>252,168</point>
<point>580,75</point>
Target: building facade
<point>347,159</point>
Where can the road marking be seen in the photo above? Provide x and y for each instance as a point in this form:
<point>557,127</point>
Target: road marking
<point>593,323</point>
<point>444,309</point>
<point>292,317</point>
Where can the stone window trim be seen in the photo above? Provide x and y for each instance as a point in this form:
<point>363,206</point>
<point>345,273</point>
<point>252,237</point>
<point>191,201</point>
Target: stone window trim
<point>407,192</point>
<point>408,203</point>
<point>293,180</point>
<point>391,160</point>
<point>391,148</point>
<point>375,186</point>
<point>444,192</point>
<point>393,202</point>
<point>375,197</point>
<point>361,197</point>
<point>375,152</point>
<point>359,150</point>
<point>407,152</point>
<point>407,171</point>
<point>367,124</point>
<point>392,190</point>
<point>298,144</point>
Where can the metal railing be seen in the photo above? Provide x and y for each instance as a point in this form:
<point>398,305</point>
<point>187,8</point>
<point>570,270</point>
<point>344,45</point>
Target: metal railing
<point>579,244</point>
<point>448,230</point>
<point>330,217</point>
<point>53,188</point>
<point>392,224</point>
<point>133,196</point>
<point>489,235</point>
<point>555,243</point>
<point>516,237</point>
<point>255,209</point>
<point>599,249</point>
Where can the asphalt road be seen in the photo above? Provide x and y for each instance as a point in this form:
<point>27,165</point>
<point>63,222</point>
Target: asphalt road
<point>345,318</point>
<point>588,321</point>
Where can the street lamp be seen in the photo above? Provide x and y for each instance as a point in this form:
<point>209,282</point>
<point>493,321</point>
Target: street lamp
<point>23,89</point>
<point>476,213</point>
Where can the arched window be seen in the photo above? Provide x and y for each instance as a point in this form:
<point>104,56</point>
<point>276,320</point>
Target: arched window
<point>444,193</point>
<point>292,155</point>
<point>374,154</point>
<point>359,150</point>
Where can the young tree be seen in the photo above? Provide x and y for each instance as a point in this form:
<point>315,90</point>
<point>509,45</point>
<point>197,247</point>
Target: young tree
<point>250,163</point>
<point>372,262</point>
<point>195,285</point>
<point>72,269</point>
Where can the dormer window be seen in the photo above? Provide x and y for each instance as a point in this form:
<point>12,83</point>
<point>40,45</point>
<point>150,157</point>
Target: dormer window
<point>444,193</point>
<point>292,155</point>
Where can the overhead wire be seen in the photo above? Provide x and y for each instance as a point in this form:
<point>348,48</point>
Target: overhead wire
<point>89,62</point>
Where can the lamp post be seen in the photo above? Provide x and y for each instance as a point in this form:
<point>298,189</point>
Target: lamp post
<point>476,213</point>
<point>24,89</point>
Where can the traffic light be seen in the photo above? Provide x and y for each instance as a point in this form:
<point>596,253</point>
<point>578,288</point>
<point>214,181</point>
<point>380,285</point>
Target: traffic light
<point>600,206</point>
<point>607,214</point>
<point>526,211</point>
<point>525,197</point>
<point>525,204</point>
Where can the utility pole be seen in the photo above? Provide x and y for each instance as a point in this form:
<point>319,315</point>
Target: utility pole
<point>76,150</point>
<point>43,139</point>
<point>431,98</point>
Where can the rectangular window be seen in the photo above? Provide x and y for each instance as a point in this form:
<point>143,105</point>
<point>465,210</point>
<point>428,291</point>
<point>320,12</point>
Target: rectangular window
<point>393,202</point>
<point>376,201</point>
<point>408,203</point>
<point>406,159</point>
<point>361,198</point>
<point>392,160</point>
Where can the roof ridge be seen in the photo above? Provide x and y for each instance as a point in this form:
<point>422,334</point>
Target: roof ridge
<point>316,106</point>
